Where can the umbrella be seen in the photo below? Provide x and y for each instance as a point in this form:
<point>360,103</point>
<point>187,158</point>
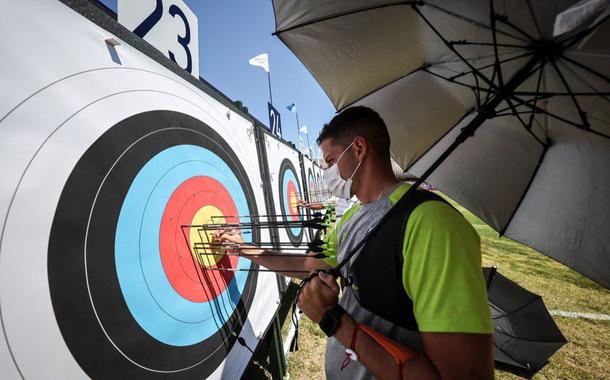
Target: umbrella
<point>525,334</point>
<point>502,105</point>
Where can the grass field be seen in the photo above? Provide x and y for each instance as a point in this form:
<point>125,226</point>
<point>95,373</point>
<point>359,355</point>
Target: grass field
<point>586,356</point>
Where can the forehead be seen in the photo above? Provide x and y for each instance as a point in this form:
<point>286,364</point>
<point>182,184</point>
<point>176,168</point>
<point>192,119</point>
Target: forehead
<point>329,146</point>
<point>330,149</point>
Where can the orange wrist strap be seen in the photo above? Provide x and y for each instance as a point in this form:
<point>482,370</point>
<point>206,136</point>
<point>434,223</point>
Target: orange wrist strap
<point>399,353</point>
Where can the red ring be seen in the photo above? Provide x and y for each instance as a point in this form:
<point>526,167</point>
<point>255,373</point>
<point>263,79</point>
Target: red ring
<point>292,195</point>
<point>187,278</point>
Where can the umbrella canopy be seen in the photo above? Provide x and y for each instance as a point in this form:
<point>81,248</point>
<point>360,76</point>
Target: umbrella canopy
<point>525,334</point>
<point>514,93</point>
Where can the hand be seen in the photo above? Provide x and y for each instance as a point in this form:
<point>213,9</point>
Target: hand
<point>318,296</point>
<point>317,206</point>
<point>227,236</point>
<point>234,237</point>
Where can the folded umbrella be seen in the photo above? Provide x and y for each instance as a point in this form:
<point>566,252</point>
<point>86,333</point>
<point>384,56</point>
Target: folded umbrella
<point>502,105</point>
<point>525,335</point>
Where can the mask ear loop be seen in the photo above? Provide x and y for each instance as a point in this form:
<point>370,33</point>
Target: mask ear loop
<point>355,170</point>
<point>341,156</point>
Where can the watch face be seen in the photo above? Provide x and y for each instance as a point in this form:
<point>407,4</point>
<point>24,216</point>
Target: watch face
<point>330,320</point>
<point>327,323</point>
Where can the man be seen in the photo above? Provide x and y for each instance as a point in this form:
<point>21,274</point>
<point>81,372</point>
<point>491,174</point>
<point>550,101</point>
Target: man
<point>414,303</point>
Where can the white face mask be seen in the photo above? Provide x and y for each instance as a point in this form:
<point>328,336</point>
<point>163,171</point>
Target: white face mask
<point>338,186</point>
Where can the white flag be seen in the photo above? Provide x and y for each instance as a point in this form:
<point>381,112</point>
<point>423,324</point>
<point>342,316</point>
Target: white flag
<point>303,129</point>
<point>261,60</point>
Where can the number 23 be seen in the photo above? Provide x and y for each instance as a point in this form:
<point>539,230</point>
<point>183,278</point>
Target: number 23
<point>151,20</point>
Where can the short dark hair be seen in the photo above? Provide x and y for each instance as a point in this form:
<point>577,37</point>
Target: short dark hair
<point>358,121</point>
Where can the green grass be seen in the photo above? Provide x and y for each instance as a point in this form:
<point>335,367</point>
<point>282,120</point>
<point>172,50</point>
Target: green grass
<point>586,356</point>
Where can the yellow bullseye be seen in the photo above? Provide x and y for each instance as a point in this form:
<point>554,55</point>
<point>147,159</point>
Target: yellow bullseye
<point>293,203</point>
<point>196,235</point>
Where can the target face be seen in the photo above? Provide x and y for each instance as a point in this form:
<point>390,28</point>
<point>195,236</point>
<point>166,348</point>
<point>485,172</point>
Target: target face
<point>318,186</point>
<point>312,186</point>
<point>312,198</point>
<point>290,193</point>
<point>122,228</point>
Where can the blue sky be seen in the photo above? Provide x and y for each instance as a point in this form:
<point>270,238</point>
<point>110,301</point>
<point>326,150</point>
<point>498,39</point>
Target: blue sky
<point>233,31</point>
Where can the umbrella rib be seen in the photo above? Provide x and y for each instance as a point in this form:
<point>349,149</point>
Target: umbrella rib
<point>454,60</point>
<point>531,119</point>
<point>337,15</point>
<point>512,113</point>
<point>497,66</point>
<point>477,93</point>
<point>504,20</point>
<point>595,92</point>
<point>533,14</point>
<point>523,194</point>
<point>543,95</point>
<point>473,22</point>
<point>581,113</point>
<point>528,340</point>
<point>453,49</point>
<point>479,43</point>
<point>586,68</point>
<point>489,91</point>
<point>409,166</point>
<point>527,127</point>
<point>492,64</point>
<point>509,356</point>
<point>541,128</point>
<point>479,88</point>
<point>527,104</point>
<point>536,298</point>
<point>424,68</point>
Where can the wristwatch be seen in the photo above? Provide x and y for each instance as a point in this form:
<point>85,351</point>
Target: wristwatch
<point>331,319</point>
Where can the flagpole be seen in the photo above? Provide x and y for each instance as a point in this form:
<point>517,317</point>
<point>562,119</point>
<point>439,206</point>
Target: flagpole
<point>298,125</point>
<point>269,80</point>
<point>309,146</point>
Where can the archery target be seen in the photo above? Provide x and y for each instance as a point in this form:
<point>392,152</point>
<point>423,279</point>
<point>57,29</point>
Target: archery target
<point>105,164</point>
<point>290,194</point>
<point>322,189</point>
<point>142,281</point>
<point>287,189</point>
<point>309,186</point>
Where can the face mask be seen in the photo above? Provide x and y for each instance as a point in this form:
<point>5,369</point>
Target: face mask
<point>338,186</point>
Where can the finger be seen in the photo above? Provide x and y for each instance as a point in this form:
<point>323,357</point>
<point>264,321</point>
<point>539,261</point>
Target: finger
<point>302,299</point>
<point>315,283</point>
<point>329,281</point>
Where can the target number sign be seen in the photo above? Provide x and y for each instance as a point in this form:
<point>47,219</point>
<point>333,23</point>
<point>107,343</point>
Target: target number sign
<point>168,25</point>
<point>275,121</point>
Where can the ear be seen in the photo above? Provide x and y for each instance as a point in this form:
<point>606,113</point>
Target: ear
<point>360,147</point>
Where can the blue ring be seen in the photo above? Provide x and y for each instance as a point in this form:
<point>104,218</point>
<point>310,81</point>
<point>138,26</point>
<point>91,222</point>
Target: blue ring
<point>152,301</point>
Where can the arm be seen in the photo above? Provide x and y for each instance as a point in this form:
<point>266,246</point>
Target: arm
<point>290,266</point>
<point>446,355</point>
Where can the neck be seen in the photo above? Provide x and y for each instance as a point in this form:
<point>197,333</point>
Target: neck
<point>375,181</point>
